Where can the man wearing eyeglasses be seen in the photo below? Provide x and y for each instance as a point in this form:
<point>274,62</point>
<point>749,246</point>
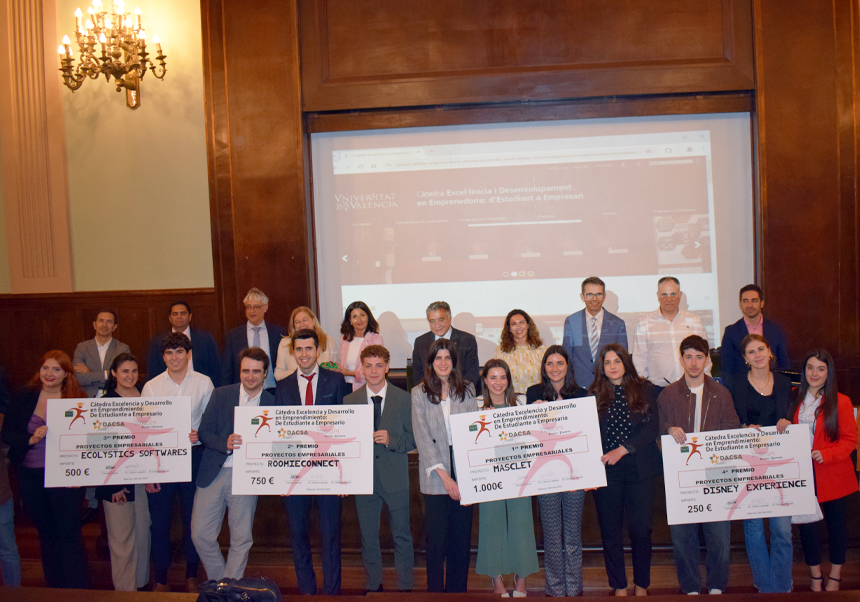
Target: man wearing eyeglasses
<point>256,332</point>
<point>658,335</point>
<point>588,330</point>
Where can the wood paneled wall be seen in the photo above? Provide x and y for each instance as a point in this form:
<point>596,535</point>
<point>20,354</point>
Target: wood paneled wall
<point>34,324</point>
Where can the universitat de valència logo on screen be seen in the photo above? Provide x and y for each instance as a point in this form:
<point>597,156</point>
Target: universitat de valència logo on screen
<point>374,200</point>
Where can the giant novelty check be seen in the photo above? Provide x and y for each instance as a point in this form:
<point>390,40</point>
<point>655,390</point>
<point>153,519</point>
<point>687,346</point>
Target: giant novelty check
<point>738,474</point>
<point>117,440</point>
<point>298,450</point>
<point>527,450</point>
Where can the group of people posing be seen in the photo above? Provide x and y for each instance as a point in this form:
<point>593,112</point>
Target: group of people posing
<point>662,388</point>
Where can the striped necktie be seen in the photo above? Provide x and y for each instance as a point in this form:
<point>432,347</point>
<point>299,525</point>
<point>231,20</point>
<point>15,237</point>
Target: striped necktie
<point>593,338</point>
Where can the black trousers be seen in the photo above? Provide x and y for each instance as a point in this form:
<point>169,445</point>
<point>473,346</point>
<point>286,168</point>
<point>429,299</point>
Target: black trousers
<point>56,512</point>
<point>625,494</point>
<point>837,533</point>
<point>447,536</point>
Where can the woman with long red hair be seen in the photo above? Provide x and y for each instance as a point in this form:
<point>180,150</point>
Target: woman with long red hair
<point>55,511</point>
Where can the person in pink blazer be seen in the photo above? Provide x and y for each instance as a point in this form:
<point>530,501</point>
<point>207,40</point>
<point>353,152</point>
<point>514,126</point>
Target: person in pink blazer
<point>358,330</point>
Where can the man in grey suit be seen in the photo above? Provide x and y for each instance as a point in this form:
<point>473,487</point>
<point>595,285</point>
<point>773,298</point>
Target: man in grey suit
<point>93,358</point>
<point>215,476</point>
<point>392,440</point>
<point>588,330</point>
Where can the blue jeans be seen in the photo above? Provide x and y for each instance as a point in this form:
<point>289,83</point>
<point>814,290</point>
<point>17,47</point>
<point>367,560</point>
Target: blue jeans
<point>10,561</point>
<point>771,572</point>
<point>685,547</point>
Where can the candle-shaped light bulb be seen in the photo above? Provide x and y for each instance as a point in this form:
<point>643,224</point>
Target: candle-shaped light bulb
<point>141,35</point>
<point>91,10</point>
<point>78,14</point>
<point>97,4</point>
<point>108,23</point>
<point>157,41</point>
<point>89,24</point>
<point>66,41</point>
<point>60,49</point>
<point>102,38</point>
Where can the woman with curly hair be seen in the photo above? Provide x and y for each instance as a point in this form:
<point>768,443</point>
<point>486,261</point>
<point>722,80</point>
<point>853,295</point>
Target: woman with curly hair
<point>55,511</point>
<point>521,349</point>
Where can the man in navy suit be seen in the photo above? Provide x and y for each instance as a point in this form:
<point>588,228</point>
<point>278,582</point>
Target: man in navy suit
<point>751,302</point>
<point>256,333</point>
<point>439,318</point>
<point>215,476</point>
<point>588,330</point>
<point>307,386</point>
<point>205,357</point>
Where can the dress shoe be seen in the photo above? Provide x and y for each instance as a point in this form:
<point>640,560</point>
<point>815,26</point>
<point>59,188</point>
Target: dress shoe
<point>374,591</point>
<point>160,587</point>
<point>191,585</point>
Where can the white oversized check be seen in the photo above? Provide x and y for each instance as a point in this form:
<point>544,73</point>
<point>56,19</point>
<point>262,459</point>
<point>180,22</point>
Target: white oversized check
<point>304,450</point>
<point>738,474</point>
<point>527,450</point>
<point>117,440</point>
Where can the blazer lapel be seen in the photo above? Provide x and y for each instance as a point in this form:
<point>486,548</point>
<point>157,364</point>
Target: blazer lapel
<point>110,354</point>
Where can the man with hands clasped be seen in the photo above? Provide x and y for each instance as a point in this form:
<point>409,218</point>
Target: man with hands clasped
<point>392,440</point>
<point>691,405</point>
<point>215,477</point>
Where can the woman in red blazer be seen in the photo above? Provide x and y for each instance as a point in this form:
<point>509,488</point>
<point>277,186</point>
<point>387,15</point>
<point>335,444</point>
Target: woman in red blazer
<point>833,433</point>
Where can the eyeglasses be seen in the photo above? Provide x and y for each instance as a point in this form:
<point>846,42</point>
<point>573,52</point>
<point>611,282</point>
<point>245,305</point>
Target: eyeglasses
<point>590,296</point>
<point>669,295</point>
<point>254,307</point>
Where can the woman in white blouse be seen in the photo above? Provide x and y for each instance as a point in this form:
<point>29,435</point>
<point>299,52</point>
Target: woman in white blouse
<point>301,318</point>
<point>358,330</point>
<point>521,349</point>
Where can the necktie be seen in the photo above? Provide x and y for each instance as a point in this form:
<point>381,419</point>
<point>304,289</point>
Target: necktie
<point>593,338</point>
<point>309,392</point>
<point>377,411</point>
<point>256,341</point>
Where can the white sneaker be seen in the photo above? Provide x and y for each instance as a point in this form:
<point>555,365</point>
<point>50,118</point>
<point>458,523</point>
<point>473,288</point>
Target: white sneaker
<point>715,591</point>
<point>692,593</point>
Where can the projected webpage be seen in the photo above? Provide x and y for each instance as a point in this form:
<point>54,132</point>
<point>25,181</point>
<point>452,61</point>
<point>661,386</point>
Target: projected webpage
<point>497,224</point>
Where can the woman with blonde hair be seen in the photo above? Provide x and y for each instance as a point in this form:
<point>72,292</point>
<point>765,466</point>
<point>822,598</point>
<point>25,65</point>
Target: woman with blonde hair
<point>301,318</point>
<point>56,511</point>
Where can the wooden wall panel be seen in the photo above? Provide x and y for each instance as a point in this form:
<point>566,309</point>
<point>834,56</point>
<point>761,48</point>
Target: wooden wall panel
<point>34,324</point>
<point>389,53</point>
<point>256,155</point>
<point>807,156</point>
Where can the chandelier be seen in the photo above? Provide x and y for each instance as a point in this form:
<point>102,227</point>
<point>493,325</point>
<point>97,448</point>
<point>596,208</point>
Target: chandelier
<point>121,53</point>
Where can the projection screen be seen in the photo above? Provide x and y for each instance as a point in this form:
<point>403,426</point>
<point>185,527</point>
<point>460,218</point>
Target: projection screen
<point>495,217</point>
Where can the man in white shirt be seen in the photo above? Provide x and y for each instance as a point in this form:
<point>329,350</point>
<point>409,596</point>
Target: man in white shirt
<point>178,380</point>
<point>392,440</point>
<point>215,477</point>
<point>313,385</point>
<point>93,358</point>
<point>658,336</point>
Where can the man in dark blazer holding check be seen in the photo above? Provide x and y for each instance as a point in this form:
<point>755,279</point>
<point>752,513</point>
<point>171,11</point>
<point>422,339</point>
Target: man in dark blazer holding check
<point>439,317</point>
<point>255,333</point>
<point>215,476</point>
<point>588,330</point>
<point>751,302</point>
<point>392,440</point>
<point>313,385</point>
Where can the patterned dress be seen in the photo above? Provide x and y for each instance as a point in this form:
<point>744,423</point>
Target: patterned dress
<point>524,363</point>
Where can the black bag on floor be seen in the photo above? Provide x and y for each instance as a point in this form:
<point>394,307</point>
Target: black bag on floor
<point>246,589</point>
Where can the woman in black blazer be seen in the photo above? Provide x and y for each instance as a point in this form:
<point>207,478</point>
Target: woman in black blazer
<point>762,397</point>
<point>629,426</point>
